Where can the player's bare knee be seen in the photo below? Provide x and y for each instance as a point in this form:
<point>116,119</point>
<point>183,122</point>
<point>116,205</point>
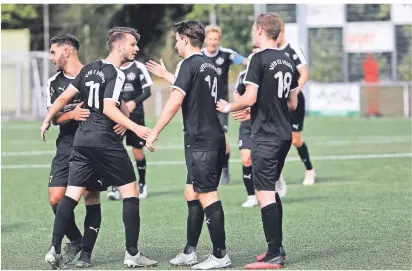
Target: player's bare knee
<point>265,197</point>
<point>208,198</point>
<point>246,159</point>
<point>138,154</point>
<point>56,194</point>
<point>54,199</point>
<point>91,197</point>
<point>128,190</point>
<point>190,194</point>
<point>297,140</point>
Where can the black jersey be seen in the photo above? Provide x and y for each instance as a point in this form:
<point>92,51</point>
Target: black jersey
<point>293,51</point>
<point>222,59</point>
<point>96,82</point>
<point>56,85</point>
<point>197,78</point>
<point>137,79</point>
<point>274,74</point>
<point>240,87</point>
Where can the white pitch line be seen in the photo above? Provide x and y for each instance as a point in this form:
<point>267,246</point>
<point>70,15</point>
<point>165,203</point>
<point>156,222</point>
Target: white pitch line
<point>291,159</point>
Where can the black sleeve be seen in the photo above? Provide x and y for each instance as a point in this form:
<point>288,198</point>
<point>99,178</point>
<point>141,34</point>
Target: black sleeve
<point>77,82</point>
<point>144,76</point>
<point>183,76</point>
<point>143,96</point>
<point>240,87</point>
<point>114,87</point>
<point>253,72</point>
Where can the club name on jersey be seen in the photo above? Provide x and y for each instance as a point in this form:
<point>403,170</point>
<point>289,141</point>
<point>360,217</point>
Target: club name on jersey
<point>208,65</point>
<point>280,62</point>
<point>96,72</point>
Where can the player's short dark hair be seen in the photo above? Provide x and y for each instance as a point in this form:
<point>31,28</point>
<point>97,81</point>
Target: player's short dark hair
<point>271,23</point>
<point>194,30</point>
<point>66,38</point>
<point>119,33</point>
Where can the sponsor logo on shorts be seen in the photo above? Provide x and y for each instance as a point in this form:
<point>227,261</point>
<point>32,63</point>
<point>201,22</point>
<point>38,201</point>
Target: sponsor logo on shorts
<point>50,178</point>
<point>295,126</point>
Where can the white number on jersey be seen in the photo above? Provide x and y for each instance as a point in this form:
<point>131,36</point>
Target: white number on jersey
<point>94,91</point>
<point>284,82</point>
<point>213,87</point>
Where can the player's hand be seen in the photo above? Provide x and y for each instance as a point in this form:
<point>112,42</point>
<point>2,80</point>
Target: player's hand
<point>143,132</point>
<point>119,129</point>
<point>44,127</point>
<point>131,105</point>
<point>79,113</point>
<point>157,69</point>
<point>221,105</point>
<point>242,115</point>
<point>151,139</point>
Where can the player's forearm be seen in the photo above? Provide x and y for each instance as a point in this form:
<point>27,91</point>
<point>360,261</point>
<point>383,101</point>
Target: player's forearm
<point>58,105</point>
<point>61,118</point>
<point>168,112</point>
<point>117,116</point>
<point>169,77</point>
<point>144,96</point>
<point>303,78</point>
<point>293,100</point>
<point>241,103</point>
<point>124,109</point>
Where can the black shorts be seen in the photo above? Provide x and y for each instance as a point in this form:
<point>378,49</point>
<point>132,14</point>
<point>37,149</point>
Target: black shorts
<point>268,159</point>
<point>298,115</point>
<point>131,138</point>
<point>204,169</point>
<point>224,120</point>
<point>114,166</point>
<point>59,172</point>
<point>245,139</point>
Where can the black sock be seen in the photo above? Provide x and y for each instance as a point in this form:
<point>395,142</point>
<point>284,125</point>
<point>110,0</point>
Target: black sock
<point>280,211</point>
<point>304,156</point>
<point>141,168</point>
<point>248,180</point>
<point>215,220</point>
<point>195,219</point>
<point>270,220</point>
<point>61,222</point>
<point>73,233</point>
<point>131,221</point>
<point>91,226</point>
<point>226,161</point>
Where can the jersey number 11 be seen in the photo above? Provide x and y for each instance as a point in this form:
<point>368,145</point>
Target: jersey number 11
<point>94,91</point>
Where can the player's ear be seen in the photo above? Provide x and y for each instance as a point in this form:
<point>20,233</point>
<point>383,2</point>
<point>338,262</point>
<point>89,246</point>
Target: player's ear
<point>66,52</point>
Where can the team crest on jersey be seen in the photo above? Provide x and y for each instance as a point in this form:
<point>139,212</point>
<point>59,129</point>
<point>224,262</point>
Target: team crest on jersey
<point>295,57</point>
<point>220,61</point>
<point>131,76</point>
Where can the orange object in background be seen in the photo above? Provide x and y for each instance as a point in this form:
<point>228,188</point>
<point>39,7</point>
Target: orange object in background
<point>371,76</point>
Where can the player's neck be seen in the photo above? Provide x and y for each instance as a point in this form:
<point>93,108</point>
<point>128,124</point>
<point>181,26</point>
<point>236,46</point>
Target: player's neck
<point>192,51</point>
<point>282,44</point>
<point>73,68</point>
<point>113,59</point>
<point>267,43</point>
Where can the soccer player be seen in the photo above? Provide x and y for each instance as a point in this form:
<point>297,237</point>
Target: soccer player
<point>270,92</point>
<point>195,88</point>
<point>298,116</point>
<point>64,51</point>
<point>222,58</point>
<point>136,91</point>
<point>97,145</point>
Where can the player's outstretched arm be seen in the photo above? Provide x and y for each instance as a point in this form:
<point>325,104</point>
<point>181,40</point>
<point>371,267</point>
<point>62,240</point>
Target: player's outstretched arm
<point>173,105</point>
<point>111,110</point>
<point>160,71</point>
<point>246,100</point>
<point>58,105</point>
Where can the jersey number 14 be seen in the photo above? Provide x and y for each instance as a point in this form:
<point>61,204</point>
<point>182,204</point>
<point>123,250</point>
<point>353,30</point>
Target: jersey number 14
<point>284,83</point>
<point>94,91</point>
<point>212,87</point>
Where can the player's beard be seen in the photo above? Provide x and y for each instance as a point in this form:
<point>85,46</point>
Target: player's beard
<point>61,62</point>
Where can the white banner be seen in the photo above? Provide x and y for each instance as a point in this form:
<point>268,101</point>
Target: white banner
<point>326,15</point>
<point>402,13</point>
<point>369,37</point>
<point>334,99</point>
<point>291,33</point>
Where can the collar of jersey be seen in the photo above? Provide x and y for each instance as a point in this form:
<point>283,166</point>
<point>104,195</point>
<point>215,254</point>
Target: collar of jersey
<point>68,77</point>
<point>211,55</point>
<point>126,67</point>
<point>193,55</point>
